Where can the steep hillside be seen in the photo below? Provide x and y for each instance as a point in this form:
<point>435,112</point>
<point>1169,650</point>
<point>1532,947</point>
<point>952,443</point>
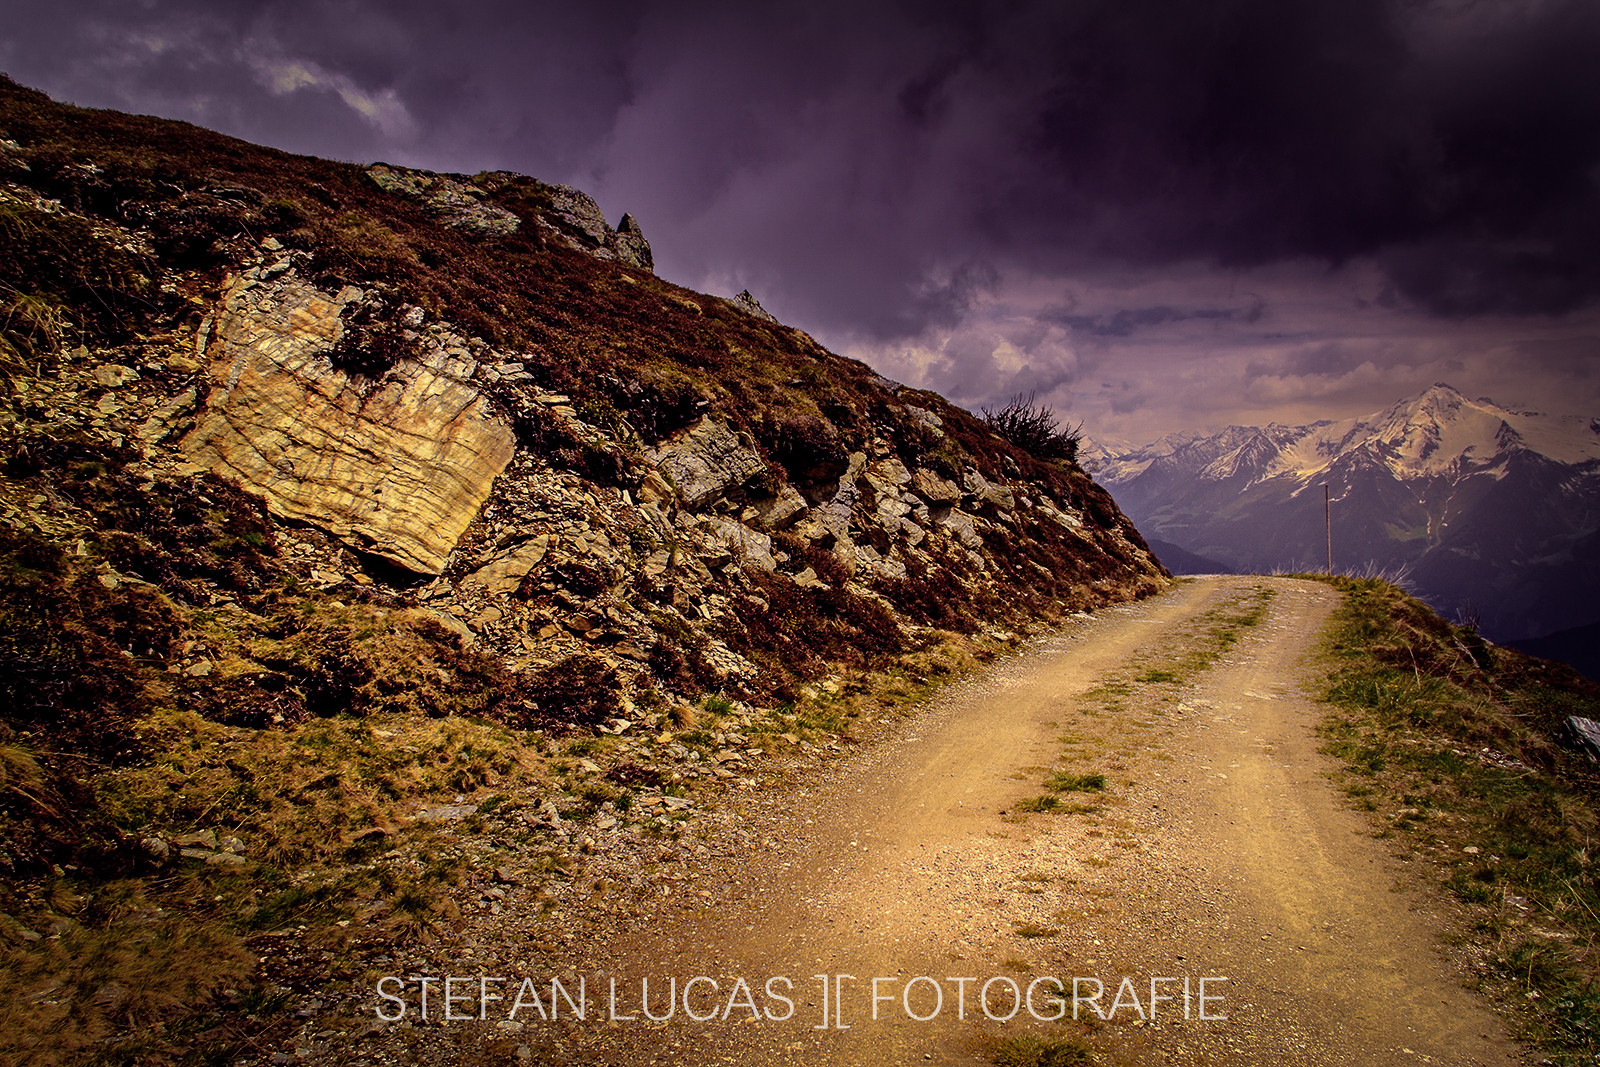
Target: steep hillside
<point>341,504</point>
<point>474,395</point>
<point>1494,513</point>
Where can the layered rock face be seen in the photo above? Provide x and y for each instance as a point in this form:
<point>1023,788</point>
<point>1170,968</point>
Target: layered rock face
<point>397,466</point>
<point>706,460</point>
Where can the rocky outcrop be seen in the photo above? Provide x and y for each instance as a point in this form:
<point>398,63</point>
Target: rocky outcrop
<point>707,460</point>
<point>632,249</point>
<point>578,211</point>
<point>589,463</point>
<point>935,489</point>
<point>577,219</point>
<point>570,215</point>
<point>692,565</point>
<point>683,573</point>
<point>457,204</point>
<point>397,467</point>
<point>502,573</point>
<point>747,303</point>
<point>776,511</point>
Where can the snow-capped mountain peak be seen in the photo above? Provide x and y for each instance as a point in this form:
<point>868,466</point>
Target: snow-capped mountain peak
<point>1439,431</point>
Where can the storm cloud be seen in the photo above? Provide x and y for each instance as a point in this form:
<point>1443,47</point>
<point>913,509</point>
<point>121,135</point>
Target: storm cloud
<point>1102,200</point>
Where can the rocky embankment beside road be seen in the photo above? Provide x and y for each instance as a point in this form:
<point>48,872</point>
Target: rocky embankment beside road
<point>330,494</point>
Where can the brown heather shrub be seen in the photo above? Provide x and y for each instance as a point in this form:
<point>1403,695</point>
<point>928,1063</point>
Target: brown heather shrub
<point>372,340</point>
<point>657,405</point>
<point>73,684</point>
<point>678,656</point>
<point>823,623</point>
<point>631,773</point>
<point>359,659</point>
<point>1032,427</point>
<point>539,431</point>
<point>682,674</point>
<point>174,533</point>
<point>68,670</point>
<point>59,256</point>
<point>930,598</point>
<point>802,553</point>
<point>579,690</point>
<point>259,701</point>
<point>806,445</point>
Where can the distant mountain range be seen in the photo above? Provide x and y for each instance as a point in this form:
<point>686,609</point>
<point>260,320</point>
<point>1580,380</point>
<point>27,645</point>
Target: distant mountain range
<point>1493,514</point>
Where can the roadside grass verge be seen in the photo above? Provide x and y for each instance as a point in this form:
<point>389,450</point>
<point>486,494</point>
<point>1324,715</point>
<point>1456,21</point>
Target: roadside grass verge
<point>1455,747</point>
<point>252,865</point>
<point>303,844</point>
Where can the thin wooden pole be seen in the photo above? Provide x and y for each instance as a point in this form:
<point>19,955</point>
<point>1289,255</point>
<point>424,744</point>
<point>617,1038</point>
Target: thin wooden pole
<point>1327,514</point>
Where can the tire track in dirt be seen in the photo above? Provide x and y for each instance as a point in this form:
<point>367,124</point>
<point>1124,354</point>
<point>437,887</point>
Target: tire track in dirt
<point>1221,850</point>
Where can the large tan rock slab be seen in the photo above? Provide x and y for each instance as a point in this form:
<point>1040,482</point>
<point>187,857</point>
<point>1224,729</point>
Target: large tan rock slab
<point>397,466</point>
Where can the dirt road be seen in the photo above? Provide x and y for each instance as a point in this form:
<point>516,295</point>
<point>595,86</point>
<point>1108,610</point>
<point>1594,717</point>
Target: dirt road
<point>1218,859</point>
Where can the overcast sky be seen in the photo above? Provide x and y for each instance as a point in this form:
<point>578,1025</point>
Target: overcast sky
<point>1158,214</point>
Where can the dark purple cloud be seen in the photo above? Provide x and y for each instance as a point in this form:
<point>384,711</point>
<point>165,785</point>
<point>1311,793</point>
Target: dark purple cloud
<point>1124,322</point>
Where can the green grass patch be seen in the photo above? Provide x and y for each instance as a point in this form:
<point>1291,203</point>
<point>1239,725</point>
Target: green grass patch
<point>1067,782</point>
<point>1116,709</point>
<point>1214,633</point>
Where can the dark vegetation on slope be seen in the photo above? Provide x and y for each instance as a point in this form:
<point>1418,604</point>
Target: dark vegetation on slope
<point>1034,428</point>
<point>630,347</point>
<point>1461,751</point>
